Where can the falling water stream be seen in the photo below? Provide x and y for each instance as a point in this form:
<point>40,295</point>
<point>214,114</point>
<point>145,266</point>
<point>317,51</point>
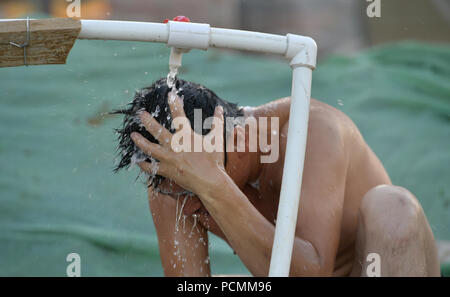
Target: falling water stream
<point>171,83</point>
<point>172,76</point>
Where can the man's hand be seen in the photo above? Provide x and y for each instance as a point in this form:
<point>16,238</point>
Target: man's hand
<point>194,171</point>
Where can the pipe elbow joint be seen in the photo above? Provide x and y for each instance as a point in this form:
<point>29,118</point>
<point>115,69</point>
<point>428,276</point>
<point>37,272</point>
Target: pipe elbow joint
<point>302,51</point>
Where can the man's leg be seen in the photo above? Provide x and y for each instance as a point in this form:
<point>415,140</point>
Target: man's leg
<point>393,225</point>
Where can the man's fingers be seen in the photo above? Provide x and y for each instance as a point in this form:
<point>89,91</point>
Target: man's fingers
<point>149,148</point>
<point>156,129</point>
<point>176,105</point>
<point>218,117</point>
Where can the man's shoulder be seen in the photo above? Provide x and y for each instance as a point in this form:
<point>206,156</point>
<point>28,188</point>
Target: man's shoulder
<point>330,131</point>
<point>326,113</point>
<point>327,121</point>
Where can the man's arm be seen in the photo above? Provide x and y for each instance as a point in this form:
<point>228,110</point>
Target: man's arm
<point>319,221</point>
<point>183,242</point>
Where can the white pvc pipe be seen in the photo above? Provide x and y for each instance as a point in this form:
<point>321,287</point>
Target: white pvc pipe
<point>157,32</point>
<point>248,40</point>
<point>292,172</point>
<point>125,31</point>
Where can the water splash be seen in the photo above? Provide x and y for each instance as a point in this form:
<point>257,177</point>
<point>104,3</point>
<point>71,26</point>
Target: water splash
<point>172,76</point>
<point>178,214</point>
<point>155,114</point>
<point>171,83</point>
<point>195,216</point>
<point>136,119</point>
<point>137,157</point>
<point>184,223</point>
<point>255,184</point>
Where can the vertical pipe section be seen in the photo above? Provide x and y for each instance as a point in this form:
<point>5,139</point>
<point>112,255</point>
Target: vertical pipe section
<point>280,261</point>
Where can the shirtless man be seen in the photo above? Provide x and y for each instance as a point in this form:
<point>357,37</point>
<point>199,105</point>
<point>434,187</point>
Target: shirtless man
<point>348,207</point>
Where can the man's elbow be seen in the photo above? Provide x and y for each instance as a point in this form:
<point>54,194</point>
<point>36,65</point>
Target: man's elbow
<point>315,266</point>
<point>311,270</point>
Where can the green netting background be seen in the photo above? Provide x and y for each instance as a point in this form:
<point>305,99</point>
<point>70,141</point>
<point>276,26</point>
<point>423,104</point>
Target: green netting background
<point>57,191</point>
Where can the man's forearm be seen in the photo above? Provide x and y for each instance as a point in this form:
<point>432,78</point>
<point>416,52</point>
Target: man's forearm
<point>183,250</point>
<point>250,233</point>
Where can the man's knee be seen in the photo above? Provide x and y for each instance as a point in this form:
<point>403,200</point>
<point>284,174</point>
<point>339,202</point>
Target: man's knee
<point>391,211</point>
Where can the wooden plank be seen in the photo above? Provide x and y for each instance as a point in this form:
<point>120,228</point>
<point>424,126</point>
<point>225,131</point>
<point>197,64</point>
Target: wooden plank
<point>50,41</point>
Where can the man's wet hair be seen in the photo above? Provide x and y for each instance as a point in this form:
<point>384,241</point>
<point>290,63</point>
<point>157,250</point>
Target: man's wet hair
<point>153,99</point>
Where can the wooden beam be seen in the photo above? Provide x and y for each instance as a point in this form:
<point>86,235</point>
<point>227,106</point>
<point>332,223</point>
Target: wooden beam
<point>50,41</point>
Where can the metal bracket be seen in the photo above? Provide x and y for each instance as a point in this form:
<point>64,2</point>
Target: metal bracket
<point>24,45</point>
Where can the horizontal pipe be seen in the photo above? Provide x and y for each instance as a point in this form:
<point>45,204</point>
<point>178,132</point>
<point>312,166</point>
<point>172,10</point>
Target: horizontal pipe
<point>218,37</point>
<point>157,32</point>
<point>125,31</point>
<point>248,41</point>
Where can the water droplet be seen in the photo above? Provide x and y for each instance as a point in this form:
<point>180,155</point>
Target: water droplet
<point>155,114</point>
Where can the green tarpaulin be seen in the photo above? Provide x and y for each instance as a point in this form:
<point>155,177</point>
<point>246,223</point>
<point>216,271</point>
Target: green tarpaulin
<point>58,194</point>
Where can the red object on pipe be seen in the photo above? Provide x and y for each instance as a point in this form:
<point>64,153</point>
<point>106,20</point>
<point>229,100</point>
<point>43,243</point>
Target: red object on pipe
<point>180,18</point>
